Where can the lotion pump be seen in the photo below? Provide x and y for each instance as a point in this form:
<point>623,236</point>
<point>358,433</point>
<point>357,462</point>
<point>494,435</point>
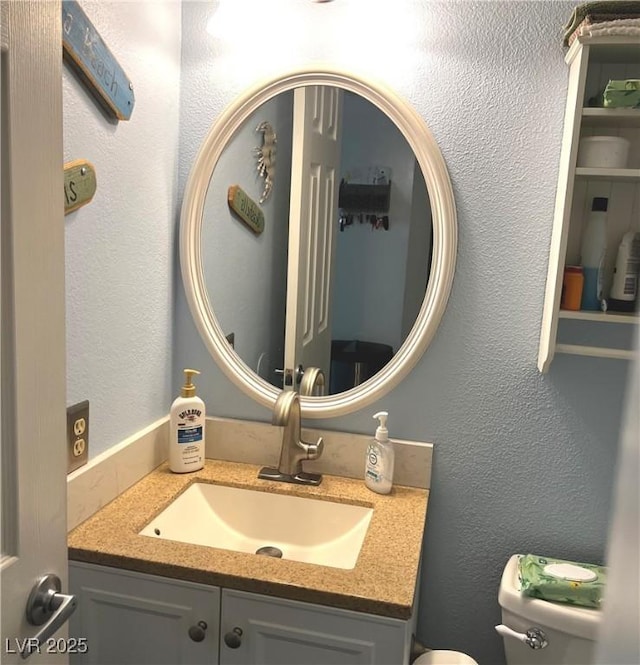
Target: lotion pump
<point>378,474</point>
<point>187,422</point>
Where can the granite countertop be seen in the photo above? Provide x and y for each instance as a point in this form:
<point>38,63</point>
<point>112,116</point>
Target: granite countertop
<point>382,582</point>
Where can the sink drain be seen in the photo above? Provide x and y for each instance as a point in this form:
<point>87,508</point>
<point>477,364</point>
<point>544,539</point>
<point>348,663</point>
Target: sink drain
<point>269,550</point>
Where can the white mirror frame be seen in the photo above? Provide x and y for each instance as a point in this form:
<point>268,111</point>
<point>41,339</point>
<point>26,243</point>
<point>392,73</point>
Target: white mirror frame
<point>445,240</point>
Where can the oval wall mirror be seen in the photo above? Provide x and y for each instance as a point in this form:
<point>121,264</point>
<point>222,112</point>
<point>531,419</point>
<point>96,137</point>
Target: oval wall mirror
<point>352,269</point>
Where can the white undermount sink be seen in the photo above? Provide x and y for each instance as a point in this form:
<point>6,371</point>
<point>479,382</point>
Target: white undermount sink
<point>231,518</point>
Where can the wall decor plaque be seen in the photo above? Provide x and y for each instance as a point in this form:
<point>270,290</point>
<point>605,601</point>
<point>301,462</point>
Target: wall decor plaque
<point>89,57</point>
<point>246,208</point>
<point>79,184</point>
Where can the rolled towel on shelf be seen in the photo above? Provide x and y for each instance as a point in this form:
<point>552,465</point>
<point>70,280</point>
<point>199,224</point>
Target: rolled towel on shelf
<point>594,12</point>
<point>619,27</point>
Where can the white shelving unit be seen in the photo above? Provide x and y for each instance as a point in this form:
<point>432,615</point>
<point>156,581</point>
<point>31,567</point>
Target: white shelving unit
<point>592,62</point>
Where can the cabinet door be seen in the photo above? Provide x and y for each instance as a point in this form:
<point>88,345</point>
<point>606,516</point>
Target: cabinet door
<point>131,618</point>
<point>285,632</point>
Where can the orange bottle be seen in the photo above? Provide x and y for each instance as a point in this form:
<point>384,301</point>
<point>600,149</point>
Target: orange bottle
<point>572,288</point>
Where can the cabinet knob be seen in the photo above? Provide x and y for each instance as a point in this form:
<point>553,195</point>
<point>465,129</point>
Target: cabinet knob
<point>233,639</point>
<point>197,633</point>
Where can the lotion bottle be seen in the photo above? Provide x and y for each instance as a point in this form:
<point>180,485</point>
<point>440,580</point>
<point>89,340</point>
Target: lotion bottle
<point>378,473</point>
<point>186,436</point>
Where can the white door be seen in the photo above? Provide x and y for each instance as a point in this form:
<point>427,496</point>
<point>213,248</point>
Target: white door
<point>32,333</point>
<point>313,218</point>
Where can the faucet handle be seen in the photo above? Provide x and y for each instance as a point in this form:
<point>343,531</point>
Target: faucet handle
<point>313,450</point>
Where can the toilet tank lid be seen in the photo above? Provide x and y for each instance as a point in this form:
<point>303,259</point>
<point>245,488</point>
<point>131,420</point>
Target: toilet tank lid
<point>578,621</point>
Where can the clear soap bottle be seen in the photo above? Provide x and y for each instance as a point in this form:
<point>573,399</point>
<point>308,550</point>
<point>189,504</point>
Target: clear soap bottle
<point>187,424</point>
<point>378,472</point>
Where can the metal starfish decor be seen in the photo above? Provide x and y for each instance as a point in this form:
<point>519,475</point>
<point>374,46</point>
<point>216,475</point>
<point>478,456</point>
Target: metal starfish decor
<point>266,158</point>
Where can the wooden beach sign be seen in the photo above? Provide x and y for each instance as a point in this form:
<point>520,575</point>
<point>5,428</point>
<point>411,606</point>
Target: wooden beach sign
<point>94,64</point>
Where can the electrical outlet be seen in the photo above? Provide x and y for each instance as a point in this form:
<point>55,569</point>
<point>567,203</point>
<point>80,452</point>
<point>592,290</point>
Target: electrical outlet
<point>77,435</point>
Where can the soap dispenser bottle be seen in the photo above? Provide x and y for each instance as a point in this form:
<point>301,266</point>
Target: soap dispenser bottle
<point>187,422</point>
<point>378,473</point>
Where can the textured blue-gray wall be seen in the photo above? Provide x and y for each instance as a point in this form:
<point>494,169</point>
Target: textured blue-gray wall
<point>523,462</point>
<point>120,278</point>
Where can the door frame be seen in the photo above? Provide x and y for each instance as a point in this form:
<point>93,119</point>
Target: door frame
<point>33,311</point>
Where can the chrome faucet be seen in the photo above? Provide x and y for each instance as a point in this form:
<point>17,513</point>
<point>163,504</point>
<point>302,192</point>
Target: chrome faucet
<point>294,451</point>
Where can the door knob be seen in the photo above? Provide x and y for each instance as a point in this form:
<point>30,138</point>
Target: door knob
<point>291,375</point>
<point>233,639</point>
<point>46,605</point>
<point>198,632</point>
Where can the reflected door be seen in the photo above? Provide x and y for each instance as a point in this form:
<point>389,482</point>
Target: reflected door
<point>313,220</point>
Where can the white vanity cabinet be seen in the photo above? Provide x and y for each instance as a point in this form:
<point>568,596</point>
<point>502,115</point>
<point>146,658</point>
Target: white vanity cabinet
<point>592,62</point>
<point>132,618</point>
<point>274,631</point>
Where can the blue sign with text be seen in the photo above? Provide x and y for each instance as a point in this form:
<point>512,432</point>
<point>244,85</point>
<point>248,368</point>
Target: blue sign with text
<point>94,63</point>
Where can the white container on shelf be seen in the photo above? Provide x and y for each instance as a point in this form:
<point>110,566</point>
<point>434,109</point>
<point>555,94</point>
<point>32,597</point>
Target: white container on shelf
<point>608,152</point>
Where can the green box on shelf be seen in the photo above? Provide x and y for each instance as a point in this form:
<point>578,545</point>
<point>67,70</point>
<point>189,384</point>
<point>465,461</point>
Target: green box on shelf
<point>622,94</point>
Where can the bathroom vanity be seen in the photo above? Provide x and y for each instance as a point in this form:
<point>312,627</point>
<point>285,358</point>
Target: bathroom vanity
<point>146,599</point>
<point>136,618</point>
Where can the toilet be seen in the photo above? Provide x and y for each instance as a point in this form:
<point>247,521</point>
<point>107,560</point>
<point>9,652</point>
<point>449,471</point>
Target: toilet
<point>568,630</point>
<point>571,641</point>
